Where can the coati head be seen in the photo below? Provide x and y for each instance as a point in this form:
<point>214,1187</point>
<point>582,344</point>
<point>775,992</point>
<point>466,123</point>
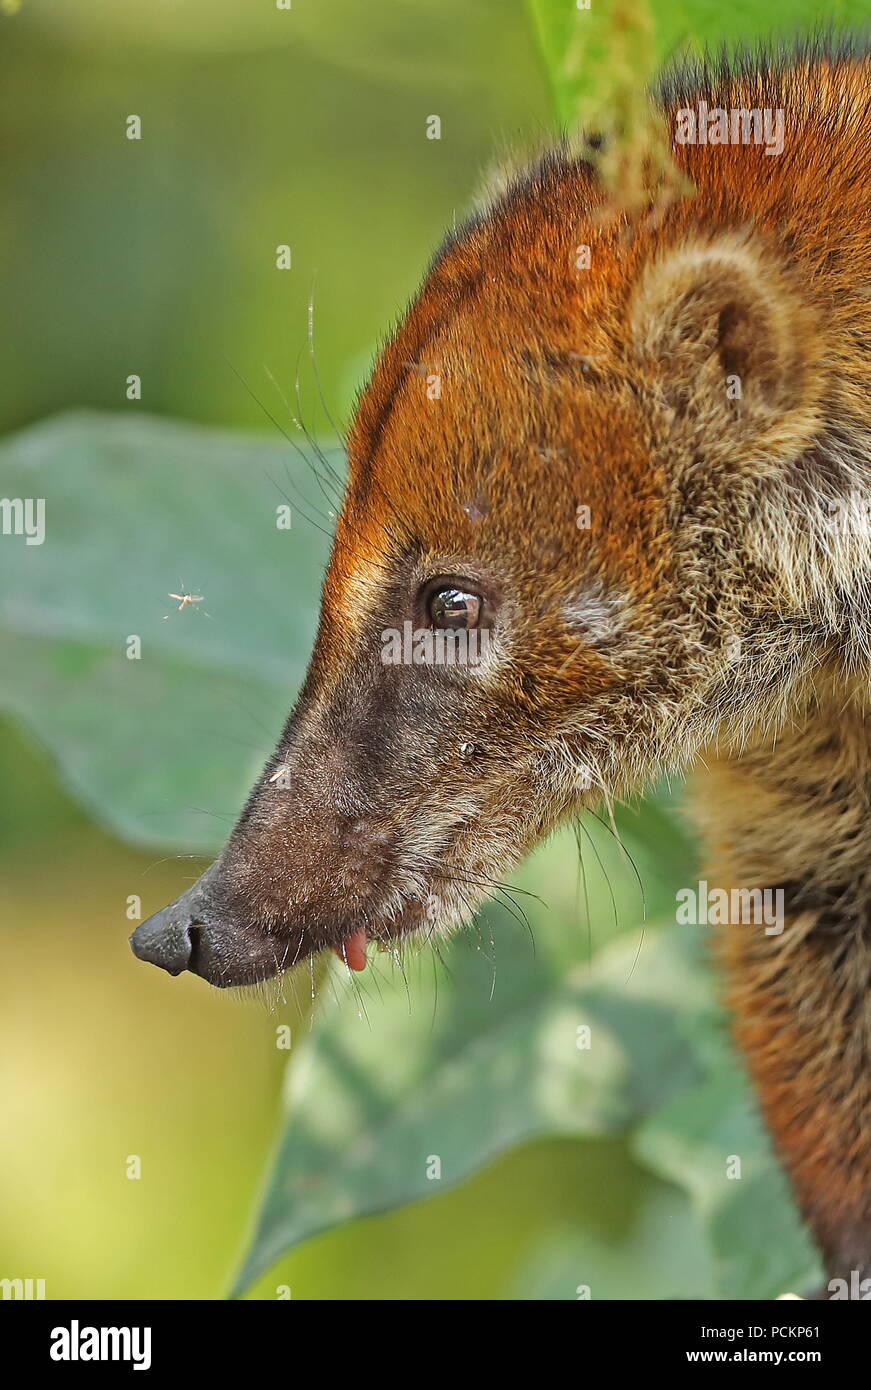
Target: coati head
<point>573,445</point>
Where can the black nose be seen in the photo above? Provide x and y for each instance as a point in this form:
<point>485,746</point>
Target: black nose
<point>165,939</point>
<point>200,932</point>
<point>170,938</point>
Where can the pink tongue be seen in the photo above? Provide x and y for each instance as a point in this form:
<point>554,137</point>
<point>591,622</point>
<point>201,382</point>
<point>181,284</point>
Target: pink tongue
<point>353,950</point>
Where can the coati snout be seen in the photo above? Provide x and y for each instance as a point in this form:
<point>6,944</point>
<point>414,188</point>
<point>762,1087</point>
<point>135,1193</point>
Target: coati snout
<point>618,443</point>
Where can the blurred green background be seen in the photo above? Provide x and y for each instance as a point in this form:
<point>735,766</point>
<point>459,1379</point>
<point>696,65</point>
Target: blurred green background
<point>260,127</point>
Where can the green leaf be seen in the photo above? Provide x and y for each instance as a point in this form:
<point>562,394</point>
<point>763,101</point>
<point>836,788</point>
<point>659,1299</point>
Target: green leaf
<point>625,1235</point>
<point>556,25</point>
<point>593,57</point>
<point>161,749</point>
<point>464,1063</point>
<point>759,1246</point>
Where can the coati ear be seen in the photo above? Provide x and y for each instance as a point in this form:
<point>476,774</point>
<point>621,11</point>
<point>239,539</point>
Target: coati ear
<point>733,349</point>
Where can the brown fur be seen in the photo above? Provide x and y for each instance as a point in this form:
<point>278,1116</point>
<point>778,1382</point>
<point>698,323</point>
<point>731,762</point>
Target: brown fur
<point>796,813</point>
<point>711,610</point>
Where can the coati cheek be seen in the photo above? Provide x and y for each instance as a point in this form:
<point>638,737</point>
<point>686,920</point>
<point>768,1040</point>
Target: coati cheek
<point>596,614</point>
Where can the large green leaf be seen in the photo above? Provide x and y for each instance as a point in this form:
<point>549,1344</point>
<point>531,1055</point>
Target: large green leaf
<point>443,1066</point>
<point>624,1235</point>
<point>161,749</point>
<point>459,1063</point>
<point>710,1141</point>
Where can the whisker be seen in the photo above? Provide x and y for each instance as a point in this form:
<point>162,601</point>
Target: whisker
<point>334,497</point>
<point>233,738</point>
<point>396,958</point>
<point>435,999</point>
<point>293,444</point>
<point>637,954</point>
<point>311,348</point>
<point>482,881</point>
<point>170,859</point>
<point>311,971</point>
<point>612,830</point>
<point>583,872</point>
<point>501,891</point>
<point>604,873</point>
<point>301,425</point>
<point>270,733</point>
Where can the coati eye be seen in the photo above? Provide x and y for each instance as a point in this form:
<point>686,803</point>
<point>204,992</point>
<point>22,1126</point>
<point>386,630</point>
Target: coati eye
<point>454,608</point>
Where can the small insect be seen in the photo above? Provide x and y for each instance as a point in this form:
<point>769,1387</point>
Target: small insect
<point>185,601</point>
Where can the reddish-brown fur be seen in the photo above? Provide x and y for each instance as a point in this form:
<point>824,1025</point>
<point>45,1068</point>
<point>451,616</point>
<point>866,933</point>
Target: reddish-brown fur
<point>710,612</point>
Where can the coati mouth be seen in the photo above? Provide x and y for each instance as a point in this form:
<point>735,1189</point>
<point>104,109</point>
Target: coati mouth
<point>226,957</point>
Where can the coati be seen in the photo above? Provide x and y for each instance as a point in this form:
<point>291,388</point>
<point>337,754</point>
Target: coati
<point>698,388</point>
